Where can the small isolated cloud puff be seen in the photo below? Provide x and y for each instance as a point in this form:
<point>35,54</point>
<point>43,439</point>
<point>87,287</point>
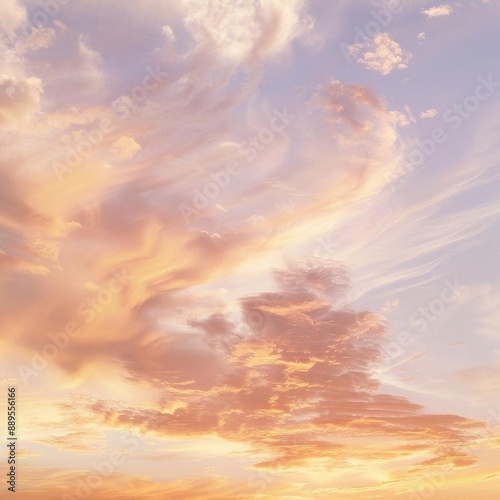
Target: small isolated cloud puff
<point>125,147</point>
<point>168,33</point>
<point>421,36</point>
<point>438,10</point>
<point>381,54</point>
<point>428,113</point>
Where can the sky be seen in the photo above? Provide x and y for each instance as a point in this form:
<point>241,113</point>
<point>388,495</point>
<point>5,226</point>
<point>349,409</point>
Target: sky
<point>249,249</point>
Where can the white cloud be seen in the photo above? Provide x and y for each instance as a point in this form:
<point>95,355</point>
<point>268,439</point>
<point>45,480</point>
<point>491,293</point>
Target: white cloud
<point>40,38</point>
<point>421,36</point>
<point>438,10</point>
<point>404,118</point>
<point>308,34</point>
<point>12,15</point>
<point>401,119</point>
<point>168,33</point>
<point>248,30</point>
<point>381,54</point>
<point>429,113</point>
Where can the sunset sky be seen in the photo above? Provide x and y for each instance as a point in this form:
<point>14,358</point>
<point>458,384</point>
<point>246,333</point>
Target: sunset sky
<point>249,249</point>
